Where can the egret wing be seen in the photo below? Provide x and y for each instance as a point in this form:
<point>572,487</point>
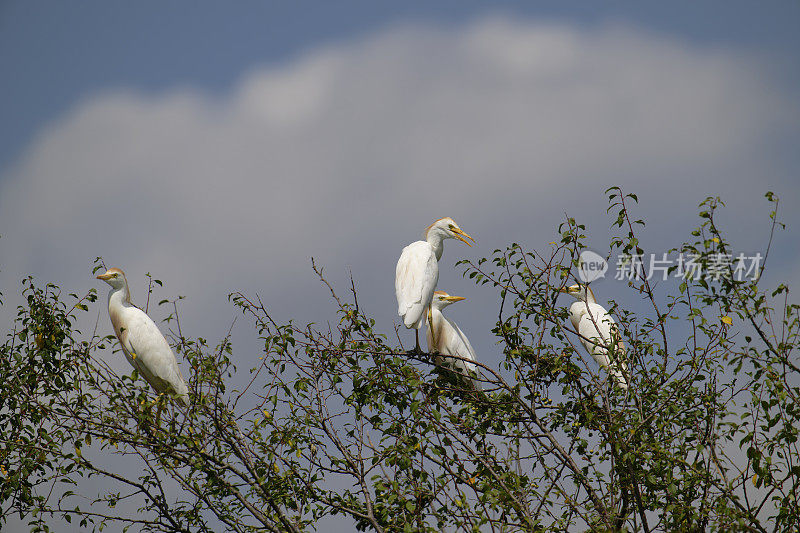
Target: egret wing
<point>455,342</point>
<point>593,339</point>
<point>153,354</point>
<point>598,331</point>
<point>416,276</point>
<point>463,348</point>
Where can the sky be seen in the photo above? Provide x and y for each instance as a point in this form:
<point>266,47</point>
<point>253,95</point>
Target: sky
<point>219,146</point>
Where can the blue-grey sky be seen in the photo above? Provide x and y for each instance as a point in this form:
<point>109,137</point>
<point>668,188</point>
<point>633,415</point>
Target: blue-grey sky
<point>221,145</point>
<point>54,54</point>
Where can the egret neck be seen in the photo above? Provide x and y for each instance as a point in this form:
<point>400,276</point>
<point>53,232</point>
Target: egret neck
<point>587,295</point>
<point>118,299</point>
<point>435,237</point>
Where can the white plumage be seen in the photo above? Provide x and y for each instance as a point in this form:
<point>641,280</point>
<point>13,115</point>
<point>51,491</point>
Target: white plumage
<point>144,346</point>
<point>417,272</point>
<point>416,277</point>
<point>598,332</point>
<point>446,338</point>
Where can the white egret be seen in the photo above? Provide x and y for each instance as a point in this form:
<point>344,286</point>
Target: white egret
<point>598,332</point>
<point>446,338</point>
<point>144,346</point>
<point>418,272</point>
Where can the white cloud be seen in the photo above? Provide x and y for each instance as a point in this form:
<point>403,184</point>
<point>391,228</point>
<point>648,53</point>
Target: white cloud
<point>350,150</point>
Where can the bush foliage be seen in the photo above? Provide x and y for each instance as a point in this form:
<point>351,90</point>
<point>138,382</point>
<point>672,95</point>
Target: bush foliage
<point>342,423</point>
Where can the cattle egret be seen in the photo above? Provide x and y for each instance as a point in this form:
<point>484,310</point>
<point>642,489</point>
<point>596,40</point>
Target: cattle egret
<point>144,346</point>
<point>598,332</point>
<point>418,272</point>
<point>446,338</point>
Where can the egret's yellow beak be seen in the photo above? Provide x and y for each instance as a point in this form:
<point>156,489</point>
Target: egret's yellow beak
<point>453,298</point>
<point>568,290</point>
<point>105,276</point>
<point>460,236</point>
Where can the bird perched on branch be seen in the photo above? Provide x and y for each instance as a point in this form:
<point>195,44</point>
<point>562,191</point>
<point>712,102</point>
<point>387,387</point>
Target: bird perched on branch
<point>598,332</point>
<point>418,272</point>
<point>445,339</point>
<point>144,346</point>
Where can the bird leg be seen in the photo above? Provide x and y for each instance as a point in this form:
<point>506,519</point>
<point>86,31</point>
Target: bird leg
<point>430,322</point>
<point>160,402</point>
<point>417,350</point>
<point>144,406</point>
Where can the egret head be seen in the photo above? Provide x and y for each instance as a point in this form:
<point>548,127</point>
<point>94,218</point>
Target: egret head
<point>441,300</point>
<point>114,277</point>
<point>446,228</point>
<point>580,291</point>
